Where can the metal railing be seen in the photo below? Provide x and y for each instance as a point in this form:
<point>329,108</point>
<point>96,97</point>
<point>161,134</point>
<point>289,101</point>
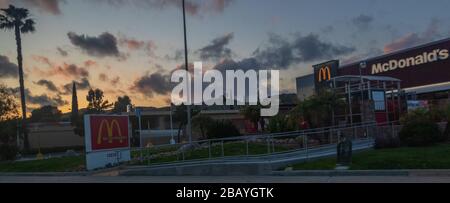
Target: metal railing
<point>254,145</point>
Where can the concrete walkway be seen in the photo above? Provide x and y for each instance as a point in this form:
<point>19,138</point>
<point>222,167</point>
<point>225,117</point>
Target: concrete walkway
<point>252,165</point>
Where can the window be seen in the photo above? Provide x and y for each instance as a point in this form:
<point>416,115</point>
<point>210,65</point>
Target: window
<point>379,100</point>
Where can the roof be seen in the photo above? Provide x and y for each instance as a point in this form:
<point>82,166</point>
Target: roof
<point>396,52</point>
<point>429,88</point>
<point>365,77</point>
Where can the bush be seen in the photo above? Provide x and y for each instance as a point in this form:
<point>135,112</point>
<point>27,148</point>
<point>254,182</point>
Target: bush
<point>420,133</point>
<point>222,129</point>
<point>8,152</point>
<point>382,142</point>
<point>280,123</point>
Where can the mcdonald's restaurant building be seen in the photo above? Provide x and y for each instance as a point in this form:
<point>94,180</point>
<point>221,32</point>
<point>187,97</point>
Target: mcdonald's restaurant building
<point>423,72</point>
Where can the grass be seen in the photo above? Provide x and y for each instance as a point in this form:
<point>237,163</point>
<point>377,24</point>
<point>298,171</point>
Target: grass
<point>435,157</point>
<point>65,164</point>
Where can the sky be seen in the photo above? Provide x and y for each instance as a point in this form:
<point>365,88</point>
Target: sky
<point>130,47</point>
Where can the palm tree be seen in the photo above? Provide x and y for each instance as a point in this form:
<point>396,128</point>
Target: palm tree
<point>18,19</point>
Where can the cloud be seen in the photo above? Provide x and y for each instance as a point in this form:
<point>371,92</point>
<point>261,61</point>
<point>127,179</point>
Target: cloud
<point>113,81</point>
<point>151,84</point>
<point>137,45</point>
<point>62,52</point>
<point>281,53</point>
<point>90,63</point>
<point>69,70</point>
<point>7,69</point>
<point>245,64</point>
<point>83,84</point>
<point>42,100</point>
<point>101,46</point>
<point>216,49</point>
<point>193,7</point>
<point>362,22</point>
<point>372,52</point>
<point>47,6</point>
<point>178,55</point>
<point>431,33</point>
<point>48,84</point>
<point>327,29</point>
<point>43,59</point>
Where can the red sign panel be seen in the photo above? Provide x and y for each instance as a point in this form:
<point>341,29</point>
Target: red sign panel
<point>109,132</point>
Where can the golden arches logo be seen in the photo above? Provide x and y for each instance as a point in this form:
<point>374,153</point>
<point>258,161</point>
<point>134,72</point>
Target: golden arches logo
<point>324,74</point>
<point>109,128</point>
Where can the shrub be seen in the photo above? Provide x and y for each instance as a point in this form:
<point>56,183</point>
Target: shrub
<point>222,129</point>
<point>382,142</point>
<point>281,123</point>
<point>420,133</point>
<point>446,134</point>
<point>8,152</point>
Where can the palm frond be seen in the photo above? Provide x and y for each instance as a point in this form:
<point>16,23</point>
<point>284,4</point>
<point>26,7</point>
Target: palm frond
<point>28,26</point>
<point>5,23</point>
<point>16,13</point>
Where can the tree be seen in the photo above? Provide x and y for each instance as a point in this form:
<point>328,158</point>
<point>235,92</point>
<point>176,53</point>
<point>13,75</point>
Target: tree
<point>253,114</point>
<point>222,129</point>
<point>318,109</point>
<point>74,114</point>
<point>8,124</point>
<point>18,19</point>
<point>202,123</point>
<point>8,106</point>
<point>180,116</point>
<point>96,103</point>
<point>46,114</point>
<point>121,104</point>
<point>75,118</point>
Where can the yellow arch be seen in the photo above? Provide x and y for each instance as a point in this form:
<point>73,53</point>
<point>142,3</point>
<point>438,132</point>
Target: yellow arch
<point>324,74</point>
<point>118,129</point>
<point>109,128</point>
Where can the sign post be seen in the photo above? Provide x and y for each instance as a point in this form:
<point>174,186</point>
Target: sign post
<point>138,114</point>
<point>107,139</point>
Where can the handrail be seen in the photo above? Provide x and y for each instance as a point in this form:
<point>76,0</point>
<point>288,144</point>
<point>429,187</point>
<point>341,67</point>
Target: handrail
<point>306,132</point>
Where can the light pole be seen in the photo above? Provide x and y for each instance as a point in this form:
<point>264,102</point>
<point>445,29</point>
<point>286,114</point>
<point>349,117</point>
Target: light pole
<point>172,141</point>
<point>362,65</point>
<point>188,106</point>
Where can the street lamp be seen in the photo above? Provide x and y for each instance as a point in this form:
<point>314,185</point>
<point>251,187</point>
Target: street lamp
<point>188,106</point>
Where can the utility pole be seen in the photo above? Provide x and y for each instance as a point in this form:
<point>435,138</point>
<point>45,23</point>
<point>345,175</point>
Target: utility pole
<point>188,106</point>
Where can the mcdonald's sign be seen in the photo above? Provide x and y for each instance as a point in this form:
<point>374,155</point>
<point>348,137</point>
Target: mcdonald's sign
<point>324,74</point>
<point>109,132</point>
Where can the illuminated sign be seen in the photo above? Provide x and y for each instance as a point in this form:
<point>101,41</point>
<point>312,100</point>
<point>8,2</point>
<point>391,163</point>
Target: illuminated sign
<point>109,132</point>
<point>324,74</point>
<point>424,58</point>
<point>107,140</point>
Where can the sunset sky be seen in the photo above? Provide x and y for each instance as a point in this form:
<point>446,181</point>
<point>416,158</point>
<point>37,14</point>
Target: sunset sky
<point>130,47</point>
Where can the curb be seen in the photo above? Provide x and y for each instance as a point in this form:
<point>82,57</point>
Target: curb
<point>415,172</point>
<point>342,173</point>
<point>101,172</point>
